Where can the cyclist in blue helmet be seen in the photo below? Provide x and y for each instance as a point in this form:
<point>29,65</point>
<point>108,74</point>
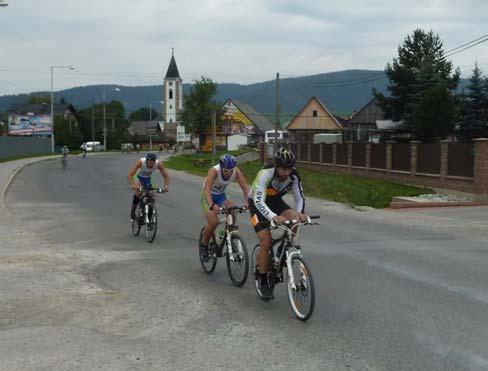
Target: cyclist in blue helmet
<point>140,176</point>
<point>213,195</point>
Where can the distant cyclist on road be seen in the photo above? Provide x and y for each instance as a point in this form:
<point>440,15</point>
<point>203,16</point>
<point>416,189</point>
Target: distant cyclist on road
<point>140,176</point>
<point>213,195</point>
<point>266,204</point>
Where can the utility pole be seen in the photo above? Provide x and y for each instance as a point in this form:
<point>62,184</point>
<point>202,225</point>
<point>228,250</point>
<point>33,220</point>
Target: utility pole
<point>93,124</point>
<point>150,126</point>
<point>277,119</point>
<point>214,133</point>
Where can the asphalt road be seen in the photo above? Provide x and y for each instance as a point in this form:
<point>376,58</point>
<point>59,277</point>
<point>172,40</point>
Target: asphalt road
<point>396,290</point>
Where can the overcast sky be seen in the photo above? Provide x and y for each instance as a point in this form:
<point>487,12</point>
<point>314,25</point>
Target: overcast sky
<point>129,42</point>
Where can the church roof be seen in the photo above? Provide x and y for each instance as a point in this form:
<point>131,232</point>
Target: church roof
<point>173,69</point>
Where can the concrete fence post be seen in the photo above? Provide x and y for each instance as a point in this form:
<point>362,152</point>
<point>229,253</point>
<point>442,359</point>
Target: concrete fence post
<point>309,152</point>
<point>349,154</point>
<point>334,154</point>
<point>368,155</point>
<point>389,152</point>
<point>321,153</point>
<point>444,158</point>
<point>481,169</point>
<point>414,146</point>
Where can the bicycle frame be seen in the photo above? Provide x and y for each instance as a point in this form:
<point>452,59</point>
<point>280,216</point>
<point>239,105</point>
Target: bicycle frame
<point>230,228</point>
<point>286,243</point>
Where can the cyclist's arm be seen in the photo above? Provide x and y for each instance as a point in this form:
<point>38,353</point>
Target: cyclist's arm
<point>298,195</point>
<point>164,173</point>
<point>211,176</point>
<point>241,180</point>
<point>259,194</point>
<point>133,171</point>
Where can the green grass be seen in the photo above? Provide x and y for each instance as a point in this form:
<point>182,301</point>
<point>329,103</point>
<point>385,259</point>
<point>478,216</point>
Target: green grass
<point>198,163</point>
<point>20,157</point>
<point>347,189</point>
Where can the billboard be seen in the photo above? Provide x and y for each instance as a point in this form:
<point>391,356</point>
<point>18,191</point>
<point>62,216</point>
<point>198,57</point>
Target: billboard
<point>29,124</point>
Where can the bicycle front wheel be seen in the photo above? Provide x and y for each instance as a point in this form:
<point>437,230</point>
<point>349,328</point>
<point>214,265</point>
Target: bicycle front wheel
<point>136,225</point>
<point>152,226</point>
<point>209,264</point>
<point>238,261</point>
<point>301,295</point>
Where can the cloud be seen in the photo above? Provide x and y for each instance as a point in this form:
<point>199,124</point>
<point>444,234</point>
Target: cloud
<point>129,42</point>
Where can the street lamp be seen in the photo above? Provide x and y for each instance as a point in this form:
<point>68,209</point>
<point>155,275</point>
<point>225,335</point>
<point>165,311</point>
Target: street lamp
<point>104,123</point>
<point>52,103</point>
<point>150,119</point>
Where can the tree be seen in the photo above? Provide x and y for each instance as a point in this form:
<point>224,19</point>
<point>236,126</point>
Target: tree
<point>474,112</point>
<point>420,65</point>
<point>199,105</point>
<point>39,99</point>
<point>67,133</point>
<point>434,117</point>
<point>143,114</point>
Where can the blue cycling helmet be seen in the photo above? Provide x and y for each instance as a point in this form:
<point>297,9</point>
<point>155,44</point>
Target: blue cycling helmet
<point>227,162</point>
<point>151,156</point>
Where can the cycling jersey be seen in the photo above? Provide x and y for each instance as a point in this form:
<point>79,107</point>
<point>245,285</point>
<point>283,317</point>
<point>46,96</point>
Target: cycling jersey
<point>267,190</point>
<point>144,171</point>
<point>220,184</point>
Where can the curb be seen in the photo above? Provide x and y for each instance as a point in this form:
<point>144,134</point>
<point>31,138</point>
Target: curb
<point>416,205</point>
<point>11,178</point>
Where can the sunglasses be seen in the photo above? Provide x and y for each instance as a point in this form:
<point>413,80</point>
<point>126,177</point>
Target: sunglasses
<point>227,170</point>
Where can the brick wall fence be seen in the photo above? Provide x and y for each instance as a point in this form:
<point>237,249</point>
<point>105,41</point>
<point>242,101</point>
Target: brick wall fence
<point>450,165</point>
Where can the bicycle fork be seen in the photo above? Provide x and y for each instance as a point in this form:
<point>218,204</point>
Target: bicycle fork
<point>289,269</point>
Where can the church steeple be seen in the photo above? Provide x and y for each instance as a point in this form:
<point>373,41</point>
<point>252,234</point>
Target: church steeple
<point>173,68</point>
<point>172,93</point>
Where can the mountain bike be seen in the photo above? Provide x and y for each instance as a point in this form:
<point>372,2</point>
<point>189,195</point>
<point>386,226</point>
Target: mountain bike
<point>229,244</point>
<point>64,162</point>
<point>146,214</point>
<point>287,263</point>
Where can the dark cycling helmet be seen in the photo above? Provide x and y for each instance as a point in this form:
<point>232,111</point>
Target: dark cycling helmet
<point>284,158</point>
<point>151,157</point>
<point>227,162</point>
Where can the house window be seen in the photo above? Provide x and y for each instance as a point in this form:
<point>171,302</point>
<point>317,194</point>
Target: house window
<point>314,113</point>
<point>170,121</point>
<point>170,106</point>
<point>170,93</point>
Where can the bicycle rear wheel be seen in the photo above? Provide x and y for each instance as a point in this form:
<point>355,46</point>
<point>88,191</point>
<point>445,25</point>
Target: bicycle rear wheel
<point>238,261</point>
<point>302,296</point>
<point>152,226</point>
<point>208,266</point>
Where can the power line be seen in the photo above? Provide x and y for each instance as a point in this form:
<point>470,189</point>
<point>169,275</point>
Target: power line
<point>466,48</point>
<point>465,44</point>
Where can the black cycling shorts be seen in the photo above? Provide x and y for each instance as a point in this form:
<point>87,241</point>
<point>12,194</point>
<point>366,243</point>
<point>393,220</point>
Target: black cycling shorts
<point>258,221</point>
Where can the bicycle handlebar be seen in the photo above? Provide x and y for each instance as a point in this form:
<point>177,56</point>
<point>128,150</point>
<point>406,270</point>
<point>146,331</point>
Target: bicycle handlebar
<point>290,223</point>
<point>226,210</point>
<point>157,190</point>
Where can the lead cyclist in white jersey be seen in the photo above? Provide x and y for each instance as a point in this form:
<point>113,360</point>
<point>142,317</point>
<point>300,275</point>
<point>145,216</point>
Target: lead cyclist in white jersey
<point>140,177</point>
<point>213,195</point>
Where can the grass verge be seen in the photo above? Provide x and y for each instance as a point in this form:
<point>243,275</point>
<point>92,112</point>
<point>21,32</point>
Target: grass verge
<point>347,189</point>
<point>21,157</point>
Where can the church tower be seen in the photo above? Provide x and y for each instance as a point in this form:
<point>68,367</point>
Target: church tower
<point>172,94</point>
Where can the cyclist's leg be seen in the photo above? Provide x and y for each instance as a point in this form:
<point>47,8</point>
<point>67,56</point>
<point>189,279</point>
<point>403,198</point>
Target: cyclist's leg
<point>135,198</point>
<point>211,218</point>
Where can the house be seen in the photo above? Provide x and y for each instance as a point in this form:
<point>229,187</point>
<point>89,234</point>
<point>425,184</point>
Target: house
<point>364,121</point>
<point>313,118</point>
<point>149,131</point>
<point>241,121</point>
<point>35,119</point>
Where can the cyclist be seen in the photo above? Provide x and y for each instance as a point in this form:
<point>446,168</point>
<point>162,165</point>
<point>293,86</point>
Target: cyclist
<point>213,195</point>
<point>266,204</point>
<point>65,151</point>
<point>83,148</point>
<point>140,176</point>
